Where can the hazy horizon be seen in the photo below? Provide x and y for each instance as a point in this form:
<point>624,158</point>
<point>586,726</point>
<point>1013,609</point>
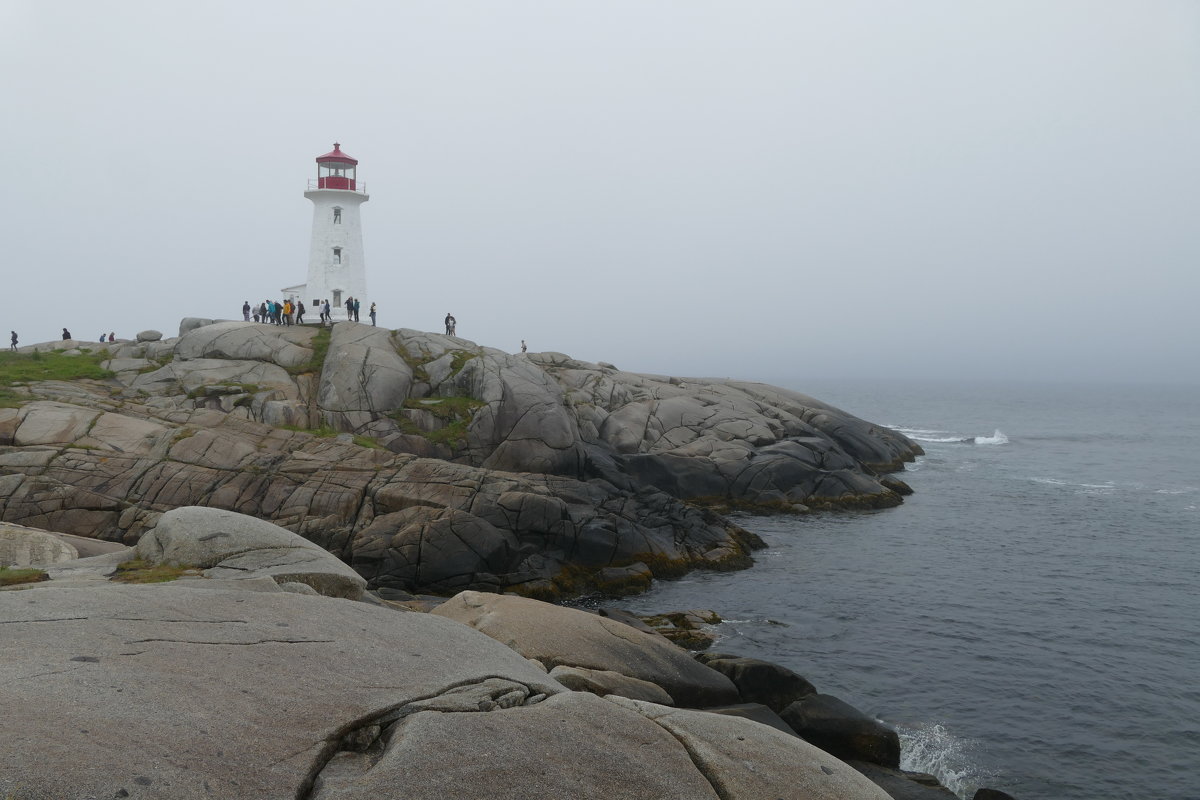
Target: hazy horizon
<point>775,191</point>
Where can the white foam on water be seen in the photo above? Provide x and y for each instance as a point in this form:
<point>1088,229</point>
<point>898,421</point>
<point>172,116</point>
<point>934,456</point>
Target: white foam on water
<point>948,437</point>
<point>931,748</point>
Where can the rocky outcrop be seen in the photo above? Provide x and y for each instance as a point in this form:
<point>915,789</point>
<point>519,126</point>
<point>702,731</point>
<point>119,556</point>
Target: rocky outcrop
<point>109,468</point>
<point>429,463</point>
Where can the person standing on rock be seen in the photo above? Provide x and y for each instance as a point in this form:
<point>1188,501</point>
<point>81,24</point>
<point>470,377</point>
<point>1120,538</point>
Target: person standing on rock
<point>66,334</point>
<point>112,336</point>
<point>246,310</point>
<point>523,347</point>
<point>14,342</point>
<point>357,306</point>
<point>447,321</point>
<point>372,314</point>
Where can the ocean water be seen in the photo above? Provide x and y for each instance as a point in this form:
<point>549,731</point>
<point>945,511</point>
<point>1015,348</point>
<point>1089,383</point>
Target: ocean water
<point>1029,619</point>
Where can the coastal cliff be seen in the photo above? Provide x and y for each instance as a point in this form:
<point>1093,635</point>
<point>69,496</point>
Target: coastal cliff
<point>293,488</point>
<point>427,462</point>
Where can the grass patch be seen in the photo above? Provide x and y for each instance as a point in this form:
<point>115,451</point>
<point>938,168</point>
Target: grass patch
<point>454,412</point>
<point>320,348</point>
<point>326,432</point>
<point>415,364</point>
<point>10,399</point>
<point>459,360</point>
<point>449,409</point>
<point>10,576</point>
<point>140,571</point>
<point>18,368</point>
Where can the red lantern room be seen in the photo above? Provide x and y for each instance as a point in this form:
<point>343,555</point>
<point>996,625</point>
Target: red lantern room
<point>336,170</point>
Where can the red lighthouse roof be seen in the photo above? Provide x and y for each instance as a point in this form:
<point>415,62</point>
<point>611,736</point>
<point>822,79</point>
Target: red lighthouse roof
<point>336,155</point>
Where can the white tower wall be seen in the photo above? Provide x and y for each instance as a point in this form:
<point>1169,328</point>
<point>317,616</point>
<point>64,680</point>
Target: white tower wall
<point>336,269</point>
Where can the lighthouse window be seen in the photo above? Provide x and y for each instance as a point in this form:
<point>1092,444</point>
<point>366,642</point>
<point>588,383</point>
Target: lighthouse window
<point>337,255</point>
<point>337,215</point>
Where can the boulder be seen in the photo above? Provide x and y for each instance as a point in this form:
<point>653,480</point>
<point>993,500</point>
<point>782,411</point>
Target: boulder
<point>755,712</point>
<point>605,682</point>
<point>744,759</point>
<point>991,794</point>
<point>558,636</point>
<point>772,685</point>
<point>364,376</point>
<point>149,336</point>
<point>23,547</point>
<point>287,346</point>
<point>842,730</point>
<point>230,545</point>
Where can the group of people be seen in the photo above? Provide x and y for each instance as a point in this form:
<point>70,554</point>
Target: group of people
<point>275,312</point>
<point>289,312</point>
<point>111,337</point>
<point>450,323</point>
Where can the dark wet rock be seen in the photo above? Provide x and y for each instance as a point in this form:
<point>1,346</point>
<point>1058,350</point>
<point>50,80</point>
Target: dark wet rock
<point>904,785</point>
<point>991,794</point>
<point>772,685</point>
<point>842,730</point>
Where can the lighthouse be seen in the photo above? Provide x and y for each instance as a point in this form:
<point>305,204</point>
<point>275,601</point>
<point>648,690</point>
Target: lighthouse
<point>336,270</point>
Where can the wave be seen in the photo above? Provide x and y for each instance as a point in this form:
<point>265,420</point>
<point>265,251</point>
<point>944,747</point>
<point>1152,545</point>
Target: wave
<point>933,749</point>
<point>941,437</point>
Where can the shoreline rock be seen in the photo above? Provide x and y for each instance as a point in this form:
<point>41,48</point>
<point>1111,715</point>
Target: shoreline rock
<point>239,687</point>
<point>432,464</point>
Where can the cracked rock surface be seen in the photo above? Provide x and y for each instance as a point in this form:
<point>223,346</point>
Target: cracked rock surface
<point>177,691</point>
<point>486,470</point>
<point>166,691</point>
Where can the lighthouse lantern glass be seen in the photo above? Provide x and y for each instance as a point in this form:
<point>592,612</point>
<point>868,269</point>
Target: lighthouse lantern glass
<point>333,175</point>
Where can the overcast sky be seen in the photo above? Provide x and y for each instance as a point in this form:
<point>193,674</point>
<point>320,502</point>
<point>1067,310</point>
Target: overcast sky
<point>765,190</point>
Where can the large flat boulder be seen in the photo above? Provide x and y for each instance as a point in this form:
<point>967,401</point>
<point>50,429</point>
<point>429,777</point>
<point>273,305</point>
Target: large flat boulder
<point>557,636</point>
<point>175,692</point>
<point>231,545</point>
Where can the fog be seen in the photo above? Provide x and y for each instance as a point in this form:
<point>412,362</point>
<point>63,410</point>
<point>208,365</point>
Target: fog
<point>1004,189</point>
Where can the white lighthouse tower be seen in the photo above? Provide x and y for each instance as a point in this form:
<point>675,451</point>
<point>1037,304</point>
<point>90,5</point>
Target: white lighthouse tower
<point>336,270</point>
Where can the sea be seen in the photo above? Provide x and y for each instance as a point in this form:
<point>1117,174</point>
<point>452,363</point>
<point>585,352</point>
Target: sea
<point>1029,619</point>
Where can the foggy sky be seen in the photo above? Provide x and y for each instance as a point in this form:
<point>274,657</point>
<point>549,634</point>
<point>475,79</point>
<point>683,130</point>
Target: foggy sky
<point>776,191</point>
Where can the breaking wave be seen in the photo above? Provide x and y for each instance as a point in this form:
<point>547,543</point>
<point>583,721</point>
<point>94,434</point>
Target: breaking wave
<point>944,437</point>
<point>931,748</point>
